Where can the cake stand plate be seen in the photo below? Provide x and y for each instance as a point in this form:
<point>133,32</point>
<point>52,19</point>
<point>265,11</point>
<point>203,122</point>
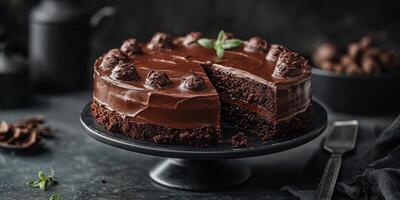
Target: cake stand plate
<point>205,168</point>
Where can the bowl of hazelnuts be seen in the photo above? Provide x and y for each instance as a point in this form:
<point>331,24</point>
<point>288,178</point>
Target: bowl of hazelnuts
<point>361,78</point>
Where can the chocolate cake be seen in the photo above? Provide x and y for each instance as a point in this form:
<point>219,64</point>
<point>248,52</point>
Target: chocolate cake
<point>171,90</point>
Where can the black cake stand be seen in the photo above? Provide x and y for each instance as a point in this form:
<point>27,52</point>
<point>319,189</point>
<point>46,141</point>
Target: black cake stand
<point>208,168</point>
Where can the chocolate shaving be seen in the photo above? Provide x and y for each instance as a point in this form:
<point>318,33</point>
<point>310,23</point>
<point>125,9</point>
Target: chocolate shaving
<point>24,133</point>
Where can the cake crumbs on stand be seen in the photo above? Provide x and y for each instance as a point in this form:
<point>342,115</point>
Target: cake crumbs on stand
<point>239,140</point>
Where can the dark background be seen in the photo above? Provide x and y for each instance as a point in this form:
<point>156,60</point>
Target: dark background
<point>300,25</point>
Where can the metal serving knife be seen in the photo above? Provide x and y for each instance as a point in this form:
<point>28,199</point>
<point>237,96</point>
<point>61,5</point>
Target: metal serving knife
<point>341,140</point>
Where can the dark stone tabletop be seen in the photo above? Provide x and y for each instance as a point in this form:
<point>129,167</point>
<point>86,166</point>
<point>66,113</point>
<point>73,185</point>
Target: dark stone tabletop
<point>88,169</point>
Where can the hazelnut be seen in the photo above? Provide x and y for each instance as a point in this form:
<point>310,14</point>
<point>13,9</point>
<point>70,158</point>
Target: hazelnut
<point>256,44</point>
<point>131,46</point>
<point>324,52</point>
<point>372,52</point>
<point>290,64</point>
<point>387,59</point>
<point>193,81</point>
<point>274,52</point>
<point>346,60</point>
<point>327,65</point>
<point>354,50</point>
<point>338,68</point>
<point>370,66</point>
<point>191,38</point>
<point>366,42</point>
<point>160,41</point>
<point>353,69</point>
<point>124,71</point>
<point>157,79</point>
<point>112,58</point>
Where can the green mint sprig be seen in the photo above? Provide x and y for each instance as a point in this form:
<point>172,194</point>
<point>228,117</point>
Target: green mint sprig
<point>220,44</point>
<point>55,197</point>
<point>43,182</point>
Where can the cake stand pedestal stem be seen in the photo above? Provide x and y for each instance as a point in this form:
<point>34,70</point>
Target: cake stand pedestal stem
<point>200,175</point>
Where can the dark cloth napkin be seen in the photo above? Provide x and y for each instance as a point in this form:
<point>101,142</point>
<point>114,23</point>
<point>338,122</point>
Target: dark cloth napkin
<point>371,174</point>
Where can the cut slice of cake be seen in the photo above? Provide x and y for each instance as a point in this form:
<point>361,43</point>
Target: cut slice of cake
<point>171,90</point>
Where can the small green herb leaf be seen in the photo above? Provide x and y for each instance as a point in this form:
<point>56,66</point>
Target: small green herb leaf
<point>220,52</point>
<point>41,176</point>
<point>55,197</point>
<point>220,44</point>
<point>220,37</point>
<point>43,182</point>
<point>206,43</point>
<point>42,185</point>
<point>232,43</point>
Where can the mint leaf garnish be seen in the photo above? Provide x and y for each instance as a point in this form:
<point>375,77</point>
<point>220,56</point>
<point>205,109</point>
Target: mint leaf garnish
<point>55,197</point>
<point>221,44</point>
<point>43,182</point>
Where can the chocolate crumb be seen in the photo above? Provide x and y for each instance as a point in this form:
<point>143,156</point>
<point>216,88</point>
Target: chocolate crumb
<point>238,141</point>
<point>157,79</point>
<point>131,46</point>
<point>193,82</point>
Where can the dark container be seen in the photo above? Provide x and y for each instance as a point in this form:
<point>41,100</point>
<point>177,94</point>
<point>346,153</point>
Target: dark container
<point>59,45</point>
<point>378,94</point>
<point>15,87</point>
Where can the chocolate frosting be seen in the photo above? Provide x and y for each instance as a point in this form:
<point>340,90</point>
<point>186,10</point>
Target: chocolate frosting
<point>180,104</point>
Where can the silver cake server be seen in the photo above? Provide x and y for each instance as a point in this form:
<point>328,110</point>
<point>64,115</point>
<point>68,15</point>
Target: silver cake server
<point>341,140</point>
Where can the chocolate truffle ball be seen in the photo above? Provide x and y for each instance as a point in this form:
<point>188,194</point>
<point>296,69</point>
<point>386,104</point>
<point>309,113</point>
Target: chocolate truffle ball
<point>160,41</point>
<point>157,80</point>
<point>274,52</point>
<point>124,71</point>
<point>324,52</point>
<point>191,39</point>
<point>256,44</point>
<point>131,46</point>
<point>289,65</point>
<point>112,58</point>
<point>193,82</point>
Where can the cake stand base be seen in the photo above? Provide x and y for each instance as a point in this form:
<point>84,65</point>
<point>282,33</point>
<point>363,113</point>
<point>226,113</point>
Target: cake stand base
<point>200,175</point>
